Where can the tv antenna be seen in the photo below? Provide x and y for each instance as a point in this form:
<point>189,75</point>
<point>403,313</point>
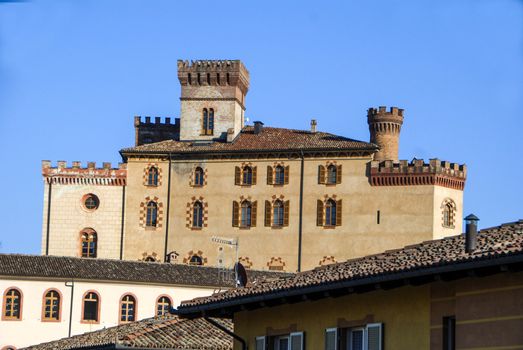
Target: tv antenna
<point>231,242</point>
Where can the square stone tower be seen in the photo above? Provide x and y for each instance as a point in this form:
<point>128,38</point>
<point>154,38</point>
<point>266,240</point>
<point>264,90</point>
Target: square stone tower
<point>212,99</point>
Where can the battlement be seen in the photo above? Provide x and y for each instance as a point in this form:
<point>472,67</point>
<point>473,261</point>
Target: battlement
<point>382,111</point>
<point>147,131</point>
<point>89,175</point>
<point>417,172</point>
<point>213,73</point>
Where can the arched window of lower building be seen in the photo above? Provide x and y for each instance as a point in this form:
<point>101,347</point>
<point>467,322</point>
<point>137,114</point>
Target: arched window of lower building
<point>91,307</point>
<point>12,305</point>
<point>163,305</point>
<point>127,309</point>
<point>51,306</point>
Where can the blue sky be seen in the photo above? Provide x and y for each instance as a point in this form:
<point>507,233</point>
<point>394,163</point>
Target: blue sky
<point>74,73</point>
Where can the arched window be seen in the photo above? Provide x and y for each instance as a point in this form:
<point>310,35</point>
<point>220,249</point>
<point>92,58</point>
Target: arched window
<point>449,209</point>
<point>89,243</point>
<point>246,214</point>
<point>330,213</point>
<point>51,306</point>
<point>91,307</point>
<point>198,176</point>
<point>127,309</point>
<point>277,213</point>
<point>152,176</point>
<point>163,305</point>
<point>332,172</point>
<point>196,260</point>
<point>208,121</point>
<point>247,175</point>
<point>197,219</point>
<point>12,305</point>
<point>279,175</point>
<point>151,218</point>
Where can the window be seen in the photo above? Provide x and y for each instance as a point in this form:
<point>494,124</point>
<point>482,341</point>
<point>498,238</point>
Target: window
<point>127,309</point>
<point>246,214</point>
<point>163,305</point>
<point>12,305</point>
<point>91,202</point>
<point>91,307</point>
<point>279,175</point>
<point>152,176</point>
<point>208,121</point>
<point>449,333</point>
<point>292,341</point>
<point>198,176</point>
<point>247,176</point>
<point>330,175</point>
<point>51,306</point>
<point>196,260</point>
<point>89,243</point>
<point>197,215</point>
<point>330,213</point>
<point>448,212</point>
<point>277,216</point>
<point>365,337</point>
<point>151,219</point>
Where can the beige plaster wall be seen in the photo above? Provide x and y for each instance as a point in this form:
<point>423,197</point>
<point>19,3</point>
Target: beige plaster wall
<point>408,214</point>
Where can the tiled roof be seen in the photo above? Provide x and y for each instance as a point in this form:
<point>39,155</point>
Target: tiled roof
<point>17,265</point>
<point>270,139</point>
<point>168,332</point>
<point>493,244</point>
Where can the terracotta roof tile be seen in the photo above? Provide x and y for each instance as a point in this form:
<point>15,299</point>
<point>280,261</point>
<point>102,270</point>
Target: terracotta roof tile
<point>270,139</point>
<point>160,332</point>
<point>18,265</point>
<point>496,242</point>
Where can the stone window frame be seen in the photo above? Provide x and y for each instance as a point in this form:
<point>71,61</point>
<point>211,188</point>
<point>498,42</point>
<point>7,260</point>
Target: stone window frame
<point>239,174</point>
<point>271,174</point>
<point>192,177</point>
<point>189,213</point>
<point>86,197</point>
<point>143,213</point>
<point>269,212</point>
<point>237,212</point>
<point>135,308</point>
<point>209,114</point>
<point>192,253</point>
<point>276,264</point>
<point>323,177</point>
<point>245,261</point>
<point>146,175</point>
<point>448,203</point>
<point>44,299</point>
<point>327,260</point>
<point>321,211</point>
<point>20,304</point>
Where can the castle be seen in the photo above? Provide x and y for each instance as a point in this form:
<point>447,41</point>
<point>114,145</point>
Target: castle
<point>291,199</point>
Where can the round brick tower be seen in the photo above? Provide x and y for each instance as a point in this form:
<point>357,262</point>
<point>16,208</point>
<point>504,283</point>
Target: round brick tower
<point>385,127</point>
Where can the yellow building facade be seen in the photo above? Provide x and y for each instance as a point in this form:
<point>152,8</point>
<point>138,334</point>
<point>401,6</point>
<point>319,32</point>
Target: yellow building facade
<point>291,199</point>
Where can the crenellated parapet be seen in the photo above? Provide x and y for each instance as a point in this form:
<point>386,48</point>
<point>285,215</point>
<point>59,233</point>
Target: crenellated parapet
<point>147,131</point>
<point>214,73</point>
<point>417,172</point>
<point>89,175</point>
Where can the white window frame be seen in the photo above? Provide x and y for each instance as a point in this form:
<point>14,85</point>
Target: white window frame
<point>380,326</point>
<point>335,331</point>
<point>349,336</point>
<point>294,334</point>
<point>264,339</point>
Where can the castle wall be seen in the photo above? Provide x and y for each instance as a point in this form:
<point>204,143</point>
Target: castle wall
<point>408,214</point>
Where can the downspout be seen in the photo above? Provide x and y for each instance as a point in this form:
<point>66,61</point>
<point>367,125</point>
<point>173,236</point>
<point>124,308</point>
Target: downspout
<point>123,221</point>
<point>226,330</point>
<point>168,206</point>
<point>71,305</point>
<point>300,225</point>
<point>48,216</point>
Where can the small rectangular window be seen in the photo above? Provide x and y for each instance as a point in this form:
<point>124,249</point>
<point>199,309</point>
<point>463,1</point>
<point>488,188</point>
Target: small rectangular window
<point>378,214</point>
<point>449,333</point>
<point>331,339</point>
<point>260,343</point>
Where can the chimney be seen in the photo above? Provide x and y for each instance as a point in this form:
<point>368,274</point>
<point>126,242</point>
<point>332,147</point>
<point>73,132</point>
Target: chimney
<point>258,127</point>
<point>471,233</point>
<point>313,126</point>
